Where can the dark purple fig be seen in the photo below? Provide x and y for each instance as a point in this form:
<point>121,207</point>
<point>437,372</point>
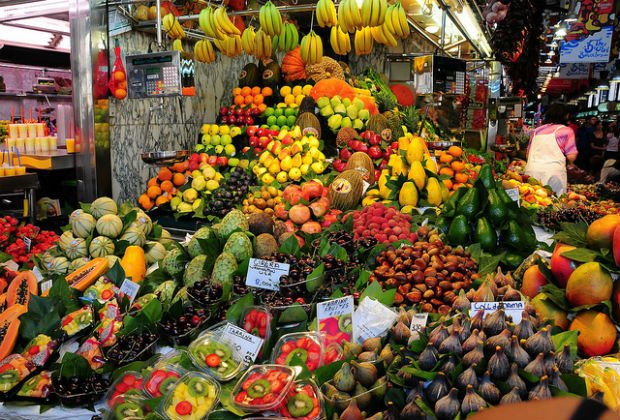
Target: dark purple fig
<point>556,381</point>
<point>438,388</point>
<point>541,391</point>
<point>428,358</point>
<point>476,321</point>
<point>488,390</point>
<point>525,329</point>
<point>499,366</point>
<point>518,353</point>
<point>502,339</point>
<point>515,381</point>
<point>467,377</point>
<point>475,356</point>
<point>537,366</point>
<point>494,323</point>
<point>472,402</point>
<point>470,343</point>
<point>446,408</point>
<point>438,335</point>
<point>512,397</point>
<point>564,360</point>
<point>461,303</point>
<point>451,345</point>
<point>448,366</point>
<point>540,342</point>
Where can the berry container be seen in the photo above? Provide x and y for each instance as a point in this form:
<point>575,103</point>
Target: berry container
<point>304,401</point>
<point>129,384</point>
<point>161,379</point>
<point>257,321</point>
<point>194,396</point>
<point>263,388</point>
<point>131,407</point>
<point>307,347</point>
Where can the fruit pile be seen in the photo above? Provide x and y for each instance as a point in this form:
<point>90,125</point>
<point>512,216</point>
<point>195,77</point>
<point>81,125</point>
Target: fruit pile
<point>204,181</point>
<point>308,217</point>
<point>230,193</point>
<point>23,242</point>
<point>531,193</point>
<point>259,138</point>
<point>367,142</point>
<point>217,140</point>
<point>386,224</point>
<point>430,274</point>
<point>264,199</point>
<point>345,112</point>
<point>583,192</point>
<point>246,98</point>
<point>454,169</point>
<point>552,218</point>
<point>163,187</point>
<point>284,114</point>
<point>290,158</point>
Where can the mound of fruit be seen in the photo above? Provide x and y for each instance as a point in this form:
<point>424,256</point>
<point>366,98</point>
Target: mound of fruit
<point>14,239</point>
<point>345,112</point>
<point>217,140</point>
<point>163,187</point>
<point>259,138</point>
<point>305,217</point>
<point>371,143</point>
<point>264,199</point>
<point>248,103</point>
<point>455,169</point>
<point>531,193</point>
<point>386,224</point>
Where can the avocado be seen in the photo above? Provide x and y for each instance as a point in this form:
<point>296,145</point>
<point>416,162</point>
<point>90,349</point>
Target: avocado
<point>469,204</point>
<point>497,211</point>
<point>458,233</point>
<point>443,224</point>
<point>513,237</point>
<point>486,176</point>
<point>485,235</point>
<point>503,195</point>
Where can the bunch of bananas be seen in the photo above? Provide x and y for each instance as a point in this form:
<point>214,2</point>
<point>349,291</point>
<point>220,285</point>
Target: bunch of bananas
<point>262,45</point>
<point>172,27</point>
<point>326,14</point>
<point>203,51</point>
<point>363,41</point>
<point>216,24</point>
<point>396,21</point>
<point>288,38</point>
<point>349,16</point>
<point>270,19</point>
<point>340,41</point>
<point>600,377</point>
<point>383,36</point>
<point>373,12</point>
<point>231,46</point>
<point>248,40</point>
<point>311,48</point>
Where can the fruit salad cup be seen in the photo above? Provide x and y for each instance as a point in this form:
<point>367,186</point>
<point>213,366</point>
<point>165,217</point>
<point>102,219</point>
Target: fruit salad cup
<point>39,387</point>
<point>263,388</point>
<point>257,321</point>
<point>77,321</point>
<point>161,379</point>
<point>192,398</point>
<point>40,349</point>
<point>306,347</point>
<point>303,402</point>
<point>14,369</point>
<point>132,407</point>
<point>214,357</point>
<point>128,385</point>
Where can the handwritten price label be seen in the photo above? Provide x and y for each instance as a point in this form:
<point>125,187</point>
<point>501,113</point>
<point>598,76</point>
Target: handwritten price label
<point>265,274</point>
<point>513,309</point>
<point>418,321</point>
<point>513,193</point>
<point>244,345</point>
<point>130,289</point>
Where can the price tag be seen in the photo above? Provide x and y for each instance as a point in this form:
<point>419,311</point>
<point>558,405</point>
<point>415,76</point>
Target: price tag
<point>335,318</point>
<point>28,243</point>
<point>418,321</point>
<point>130,289</point>
<point>513,309</point>
<point>372,319</point>
<point>12,265</point>
<point>266,274</point>
<point>37,273</point>
<point>513,193</point>
<point>245,346</point>
<point>45,286</point>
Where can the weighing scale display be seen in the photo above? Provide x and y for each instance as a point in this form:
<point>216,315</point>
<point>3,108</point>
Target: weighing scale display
<point>154,75</point>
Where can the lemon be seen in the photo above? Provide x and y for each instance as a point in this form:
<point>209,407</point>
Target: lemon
<point>215,129</point>
<point>274,168</point>
<point>297,90</point>
<point>307,159</point>
<point>267,179</point>
<point>318,167</point>
<point>282,177</point>
<point>212,184</point>
<point>299,98</point>
<point>205,128</point>
<point>208,172</point>
<point>224,129</point>
<point>289,99</point>
<point>285,90</point>
<point>306,89</point>
<point>229,149</point>
<point>295,174</point>
<point>286,164</point>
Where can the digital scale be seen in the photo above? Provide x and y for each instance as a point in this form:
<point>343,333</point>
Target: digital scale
<point>154,75</point>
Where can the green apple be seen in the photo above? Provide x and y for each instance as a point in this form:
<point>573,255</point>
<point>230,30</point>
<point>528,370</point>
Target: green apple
<point>230,150</point>
<point>272,120</point>
<point>216,140</point>
<point>206,139</point>
<point>233,162</point>
<point>226,139</point>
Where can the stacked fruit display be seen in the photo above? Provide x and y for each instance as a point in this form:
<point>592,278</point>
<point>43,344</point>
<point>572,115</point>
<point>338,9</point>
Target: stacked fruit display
<point>454,170</point>
<point>531,193</point>
<point>553,217</point>
<point>217,140</point>
<point>264,199</point>
<point>368,142</point>
<point>386,224</point>
<point>305,207</point>
<point>22,242</point>
<point>284,114</point>
<point>343,112</point>
<point>230,194</point>
<point>204,180</point>
<point>163,187</point>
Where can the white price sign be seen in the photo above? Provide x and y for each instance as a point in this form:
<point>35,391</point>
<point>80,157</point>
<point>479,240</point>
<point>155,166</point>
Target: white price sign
<point>513,193</point>
<point>13,266</point>
<point>513,309</point>
<point>130,289</point>
<point>418,321</point>
<point>45,286</point>
<point>372,319</point>
<point>265,274</point>
<point>244,345</point>
<point>37,273</point>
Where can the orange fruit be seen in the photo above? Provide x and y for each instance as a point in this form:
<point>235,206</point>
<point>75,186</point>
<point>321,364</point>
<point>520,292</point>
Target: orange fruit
<point>455,151</point>
<point>256,90</point>
<point>237,91</point>
<point>152,181</point>
<point>246,90</point>
<point>180,166</point>
<point>258,99</point>
<point>122,85</point>
<point>167,186</point>
<point>161,200</point>
<point>248,99</point>
<point>461,178</point>
<point>164,174</point>
<point>456,186</point>
<point>145,202</point>
<point>597,333</point>
<point>238,100</point>
<point>178,179</point>
<point>447,183</point>
<point>446,171</point>
<point>446,158</point>
<point>262,107</point>
<point>267,91</point>
<point>457,165</point>
<point>119,76</point>
<point>153,191</point>
<point>120,94</point>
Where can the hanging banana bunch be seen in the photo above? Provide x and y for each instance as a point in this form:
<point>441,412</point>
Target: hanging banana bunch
<point>326,15</point>
<point>373,12</point>
<point>223,23</point>
<point>340,41</point>
<point>203,51</point>
<point>381,35</point>
<point>288,38</point>
<point>349,16</point>
<point>172,27</point>
<point>248,40</point>
<point>396,21</point>
<point>311,49</point>
<point>363,41</point>
<point>206,21</point>
<point>262,45</point>
<point>270,19</point>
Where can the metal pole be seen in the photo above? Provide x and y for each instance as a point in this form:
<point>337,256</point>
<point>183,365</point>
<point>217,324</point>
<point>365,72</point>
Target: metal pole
<point>443,30</point>
<point>158,24</point>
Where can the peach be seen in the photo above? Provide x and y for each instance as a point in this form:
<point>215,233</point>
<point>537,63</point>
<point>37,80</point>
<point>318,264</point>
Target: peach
<point>311,227</point>
<point>299,214</point>
<point>562,267</point>
<point>601,232</point>
<point>320,207</point>
<point>533,280</point>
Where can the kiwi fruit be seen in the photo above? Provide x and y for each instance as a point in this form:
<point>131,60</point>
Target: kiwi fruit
<point>259,388</point>
<point>300,405</point>
<point>196,387</point>
<point>83,318</point>
<point>167,384</point>
<point>226,367</point>
<point>128,409</point>
<point>222,351</point>
<point>345,323</point>
<point>302,354</point>
<point>9,377</point>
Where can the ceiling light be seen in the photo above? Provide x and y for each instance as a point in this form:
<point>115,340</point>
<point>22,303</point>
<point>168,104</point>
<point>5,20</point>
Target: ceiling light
<point>432,28</point>
<point>34,9</point>
<point>30,38</point>
<point>560,33</point>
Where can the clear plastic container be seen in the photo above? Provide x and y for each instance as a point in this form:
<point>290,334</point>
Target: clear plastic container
<point>193,397</point>
<point>263,387</point>
<point>214,357</point>
<point>307,346</point>
<point>77,321</point>
<point>303,401</point>
<point>129,384</point>
<point>161,379</point>
<point>128,408</point>
<point>332,353</point>
<point>121,353</point>
<point>257,321</point>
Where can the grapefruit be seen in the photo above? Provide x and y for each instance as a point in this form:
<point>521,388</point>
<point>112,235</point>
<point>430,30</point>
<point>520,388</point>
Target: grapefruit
<point>589,284</point>
<point>597,333</point>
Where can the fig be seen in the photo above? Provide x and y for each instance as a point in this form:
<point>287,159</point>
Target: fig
<point>540,342</point>
<point>555,379</point>
<point>428,358</point>
<point>438,388</point>
<point>362,396</point>
<point>438,335</point>
<point>525,328</point>
<point>564,360</point>
<point>446,408</point>
<point>401,333</point>
<point>476,321</point>
<point>515,381</point>
<point>468,377</point>
<point>343,378</point>
<point>387,355</point>
<point>364,372</point>
<point>499,366</point>
<point>470,343</point>
<point>451,345</point>
<point>512,397</point>
<point>461,303</point>
<point>352,412</point>
<point>502,339</point>
<point>448,366</point>
<point>412,411</point>
<point>537,366</point>
<point>494,323</point>
<point>488,390</point>
<point>372,344</point>
<point>541,391</point>
<point>351,349</point>
<point>367,356</point>
<point>475,356</point>
<point>518,353</point>
<point>379,388</point>
<point>472,402</point>
<point>416,392</point>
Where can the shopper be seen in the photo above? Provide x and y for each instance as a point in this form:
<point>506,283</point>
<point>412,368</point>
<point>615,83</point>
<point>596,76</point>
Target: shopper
<point>611,169</point>
<point>598,145</point>
<point>551,146</point>
<point>612,141</point>
<point>563,408</point>
<point>584,141</point>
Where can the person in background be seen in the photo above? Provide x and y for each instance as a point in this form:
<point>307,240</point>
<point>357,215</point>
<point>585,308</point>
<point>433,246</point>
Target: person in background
<point>551,146</point>
<point>574,125</point>
<point>612,141</point>
<point>598,145</point>
<point>584,139</point>
<point>611,169</point>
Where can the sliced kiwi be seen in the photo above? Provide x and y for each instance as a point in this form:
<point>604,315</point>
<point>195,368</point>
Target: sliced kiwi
<point>84,318</point>
<point>197,388</point>
<point>259,388</point>
<point>302,354</point>
<point>128,409</point>
<point>221,350</point>
<point>345,323</point>
<point>226,367</point>
<point>132,392</point>
<point>167,384</point>
<point>300,405</point>
<point>9,377</point>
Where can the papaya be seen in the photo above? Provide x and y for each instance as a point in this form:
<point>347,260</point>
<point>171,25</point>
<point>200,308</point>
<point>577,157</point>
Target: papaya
<point>417,174</point>
<point>86,275</point>
<point>408,195</point>
<point>134,263</point>
<point>20,289</point>
<point>9,329</point>
<point>2,302</point>
<point>3,284</point>
<point>496,211</point>
<point>458,233</point>
<point>12,313</point>
<point>485,235</point>
<point>469,204</point>
<point>486,176</point>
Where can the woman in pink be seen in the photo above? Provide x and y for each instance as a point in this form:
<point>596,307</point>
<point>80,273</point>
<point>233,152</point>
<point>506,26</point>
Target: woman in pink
<point>551,146</point>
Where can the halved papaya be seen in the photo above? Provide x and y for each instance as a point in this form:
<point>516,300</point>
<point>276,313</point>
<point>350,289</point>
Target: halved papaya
<point>2,302</point>
<point>8,336</point>
<point>87,274</point>
<point>12,313</point>
<point>20,289</point>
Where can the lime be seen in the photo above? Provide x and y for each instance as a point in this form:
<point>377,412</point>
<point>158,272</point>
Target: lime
<point>282,120</point>
<point>273,120</point>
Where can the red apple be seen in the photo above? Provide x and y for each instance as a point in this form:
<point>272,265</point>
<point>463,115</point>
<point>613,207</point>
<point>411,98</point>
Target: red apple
<point>345,154</point>
<point>222,161</point>
<point>375,152</point>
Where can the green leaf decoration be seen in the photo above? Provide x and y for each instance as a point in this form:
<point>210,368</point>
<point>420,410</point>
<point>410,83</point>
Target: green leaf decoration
<point>315,279</point>
<point>116,274</point>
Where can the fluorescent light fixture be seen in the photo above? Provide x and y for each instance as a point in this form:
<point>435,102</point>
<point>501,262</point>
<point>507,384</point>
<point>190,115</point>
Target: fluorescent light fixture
<point>474,31</point>
<point>560,33</point>
<point>34,9</point>
<point>43,23</point>
<point>29,38</point>
<point>432,28</point>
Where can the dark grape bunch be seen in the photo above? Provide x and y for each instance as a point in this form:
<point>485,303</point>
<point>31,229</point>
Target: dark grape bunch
<point>191,318</point>
<point>132,347</point>
<point>553,219</point>
<point>75,391</point>
<point>205,293</point>
<point>230,194</point>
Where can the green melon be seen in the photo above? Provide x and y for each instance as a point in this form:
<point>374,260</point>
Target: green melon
<point>78,248</point>
<point>83,225</point>
<point>101,246</point>
<point>102,206</point>
<point>134,236</point>
<point>110,225</point>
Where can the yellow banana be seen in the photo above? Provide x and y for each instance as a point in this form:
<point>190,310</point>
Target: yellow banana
<point>367,12</point>
<point>262,45</point>
<point>363,41</point>
<point>399,22</point>
<point>355,14</point>
<point>223,22</point>
<point>270,19</point>
<point>388,20</point>
<point>168,21</point>
<point>344,19</point>
<point>340,45</point>
<point>326,13</point>
<point>247,40</point>
<point>382,12</point>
